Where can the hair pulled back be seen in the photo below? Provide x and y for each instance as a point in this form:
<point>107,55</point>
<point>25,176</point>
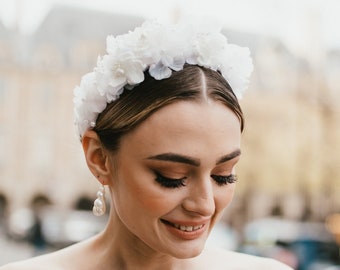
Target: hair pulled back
<point>134,106</point>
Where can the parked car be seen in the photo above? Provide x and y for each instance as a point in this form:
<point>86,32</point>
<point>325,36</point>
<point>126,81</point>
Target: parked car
<point>310,242</point>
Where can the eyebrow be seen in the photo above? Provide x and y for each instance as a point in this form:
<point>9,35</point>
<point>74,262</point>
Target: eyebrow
<point>176,158</point>
<point>228,157</point>
<point>192,161</point>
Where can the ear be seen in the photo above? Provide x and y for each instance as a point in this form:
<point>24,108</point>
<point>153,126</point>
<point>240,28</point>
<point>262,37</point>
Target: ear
<point>96,156</point>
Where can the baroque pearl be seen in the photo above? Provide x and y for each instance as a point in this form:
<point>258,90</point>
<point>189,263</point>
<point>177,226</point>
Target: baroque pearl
<point>99,207</point>
<point>98,203</point>
<point>97,211</point>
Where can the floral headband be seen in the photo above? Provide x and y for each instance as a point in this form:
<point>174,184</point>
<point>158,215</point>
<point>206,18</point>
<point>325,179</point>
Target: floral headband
<point>160,49</point>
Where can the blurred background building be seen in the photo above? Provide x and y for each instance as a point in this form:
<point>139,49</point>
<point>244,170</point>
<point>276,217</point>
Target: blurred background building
<point>290,161</point>
<point>40,153</point>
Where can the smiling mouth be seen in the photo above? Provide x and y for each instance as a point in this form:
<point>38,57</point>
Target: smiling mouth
<point>183,227</point>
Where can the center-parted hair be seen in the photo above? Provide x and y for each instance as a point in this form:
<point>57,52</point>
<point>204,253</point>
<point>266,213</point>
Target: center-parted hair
<point>193,83</point>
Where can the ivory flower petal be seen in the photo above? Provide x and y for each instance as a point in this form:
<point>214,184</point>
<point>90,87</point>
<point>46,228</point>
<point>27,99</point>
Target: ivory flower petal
<point>160,50</point>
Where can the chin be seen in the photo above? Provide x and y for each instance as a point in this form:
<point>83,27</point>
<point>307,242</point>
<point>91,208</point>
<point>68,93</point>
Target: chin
<point>188,252</point>
<point>190,255</point>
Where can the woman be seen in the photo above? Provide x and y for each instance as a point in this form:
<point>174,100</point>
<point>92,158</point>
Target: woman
<point>160,126</point>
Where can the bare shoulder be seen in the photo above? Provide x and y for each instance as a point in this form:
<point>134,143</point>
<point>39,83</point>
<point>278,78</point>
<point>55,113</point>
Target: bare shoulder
<point>58,260</point>
<point>225,260</point>
<point>36,263</point>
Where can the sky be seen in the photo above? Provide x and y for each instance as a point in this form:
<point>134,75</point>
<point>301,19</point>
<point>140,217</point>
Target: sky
<point>298,23</point>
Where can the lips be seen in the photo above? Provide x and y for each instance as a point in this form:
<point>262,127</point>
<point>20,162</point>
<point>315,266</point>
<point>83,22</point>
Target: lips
<point>184,228</point>
<point>188,228</point>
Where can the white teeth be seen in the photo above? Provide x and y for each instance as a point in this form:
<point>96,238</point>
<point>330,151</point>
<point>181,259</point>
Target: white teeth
<point>188,228</point>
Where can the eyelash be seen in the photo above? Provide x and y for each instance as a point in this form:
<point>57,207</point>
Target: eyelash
<point>224,180</point>
<point>169,182</point>
<point>177,183</point>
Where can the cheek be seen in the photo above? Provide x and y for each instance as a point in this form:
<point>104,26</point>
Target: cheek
<point>154,202</point>
<point>224,197</point>
<point>139,193</point>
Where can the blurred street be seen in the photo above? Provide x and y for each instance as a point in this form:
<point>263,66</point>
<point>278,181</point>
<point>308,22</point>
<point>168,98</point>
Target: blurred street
<point>13,251</point>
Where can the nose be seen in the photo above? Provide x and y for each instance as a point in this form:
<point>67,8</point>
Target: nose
<point>200,199</point>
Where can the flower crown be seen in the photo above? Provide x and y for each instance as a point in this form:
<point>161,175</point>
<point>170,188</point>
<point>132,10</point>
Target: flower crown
<point>160,49</point>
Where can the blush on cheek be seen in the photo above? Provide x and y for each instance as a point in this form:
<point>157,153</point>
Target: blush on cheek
<point>153,202</point>
<point>225,197</point>
<point>147,196</point>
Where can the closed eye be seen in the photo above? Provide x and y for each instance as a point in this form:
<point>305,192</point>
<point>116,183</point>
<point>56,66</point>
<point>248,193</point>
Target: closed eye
<point>222,180</point>
<point>169,182</point>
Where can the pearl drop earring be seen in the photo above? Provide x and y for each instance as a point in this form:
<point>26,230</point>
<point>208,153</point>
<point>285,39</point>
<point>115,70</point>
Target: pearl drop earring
<point>99,207</point>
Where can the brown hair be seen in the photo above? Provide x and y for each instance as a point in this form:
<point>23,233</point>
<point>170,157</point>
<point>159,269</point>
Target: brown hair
<point>136,105</point>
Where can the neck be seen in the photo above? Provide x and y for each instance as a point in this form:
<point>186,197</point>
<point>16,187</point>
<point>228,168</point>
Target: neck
<point>120,249</point>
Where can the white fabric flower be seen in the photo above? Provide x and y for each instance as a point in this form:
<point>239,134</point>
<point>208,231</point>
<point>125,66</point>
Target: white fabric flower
<point>88,102</point>
<point>160,49</point>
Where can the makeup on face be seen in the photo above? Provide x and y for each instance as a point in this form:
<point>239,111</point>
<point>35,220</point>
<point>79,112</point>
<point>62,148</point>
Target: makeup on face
<point>177,182</point>
<point>182,178</point>
<point>186,230</point>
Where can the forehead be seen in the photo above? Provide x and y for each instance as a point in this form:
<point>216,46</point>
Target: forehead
<point>187,127</point>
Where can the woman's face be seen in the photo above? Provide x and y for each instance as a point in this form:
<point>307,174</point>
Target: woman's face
<point>174,175</point>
